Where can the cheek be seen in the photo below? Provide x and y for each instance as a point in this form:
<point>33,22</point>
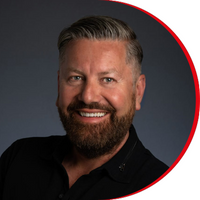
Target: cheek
<point>121,100</point>
<point>65,97</point>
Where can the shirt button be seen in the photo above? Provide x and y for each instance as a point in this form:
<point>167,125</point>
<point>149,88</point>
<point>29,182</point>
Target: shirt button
<point>60,196</point>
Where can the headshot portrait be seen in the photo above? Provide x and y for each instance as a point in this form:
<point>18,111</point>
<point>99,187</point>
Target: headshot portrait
<point>97,100</point>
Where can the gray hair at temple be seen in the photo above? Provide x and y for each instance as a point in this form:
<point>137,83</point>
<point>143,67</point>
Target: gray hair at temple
<point>103,28</point>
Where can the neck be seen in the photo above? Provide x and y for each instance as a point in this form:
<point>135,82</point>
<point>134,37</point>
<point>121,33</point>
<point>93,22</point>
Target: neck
<point>79,164</point>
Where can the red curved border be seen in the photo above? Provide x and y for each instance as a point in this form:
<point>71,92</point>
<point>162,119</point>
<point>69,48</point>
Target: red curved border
<point>197,94</point>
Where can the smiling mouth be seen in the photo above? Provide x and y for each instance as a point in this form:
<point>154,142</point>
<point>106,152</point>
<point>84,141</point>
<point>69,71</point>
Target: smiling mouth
<point>95,114</point>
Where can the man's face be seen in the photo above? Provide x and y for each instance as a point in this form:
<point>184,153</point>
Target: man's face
<point>96,99</point>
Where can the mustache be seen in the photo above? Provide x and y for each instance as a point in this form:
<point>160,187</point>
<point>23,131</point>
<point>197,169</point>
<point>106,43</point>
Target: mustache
<point>94,105</point>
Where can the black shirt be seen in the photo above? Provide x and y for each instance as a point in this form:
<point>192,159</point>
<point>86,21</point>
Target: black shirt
<point>32,169</point>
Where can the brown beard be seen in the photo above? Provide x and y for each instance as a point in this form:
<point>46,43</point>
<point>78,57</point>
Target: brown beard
<point>94,140</point>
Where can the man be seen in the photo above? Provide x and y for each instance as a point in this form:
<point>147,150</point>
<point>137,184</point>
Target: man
<point>100,86</point>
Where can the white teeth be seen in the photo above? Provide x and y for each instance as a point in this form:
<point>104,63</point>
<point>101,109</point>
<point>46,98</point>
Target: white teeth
<point>84,114</point>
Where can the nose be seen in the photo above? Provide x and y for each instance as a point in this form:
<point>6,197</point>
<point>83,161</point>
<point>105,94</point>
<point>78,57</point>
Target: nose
<point>90,93</point>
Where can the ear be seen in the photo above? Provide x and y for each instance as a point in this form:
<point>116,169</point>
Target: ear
<point>140,88</point>
<point>58,82</point>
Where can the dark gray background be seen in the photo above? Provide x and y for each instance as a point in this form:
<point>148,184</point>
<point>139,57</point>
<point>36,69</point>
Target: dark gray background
<point>29,64</point>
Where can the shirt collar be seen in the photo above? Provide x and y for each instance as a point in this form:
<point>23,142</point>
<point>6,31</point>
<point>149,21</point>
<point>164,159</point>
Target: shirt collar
<point>128,155</point>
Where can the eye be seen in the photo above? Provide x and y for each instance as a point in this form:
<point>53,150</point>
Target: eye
<point>108,80</point>
<point>75,78</point>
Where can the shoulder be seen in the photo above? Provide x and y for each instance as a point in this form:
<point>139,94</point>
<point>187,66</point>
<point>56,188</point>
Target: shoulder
<point>142,167</point>
<point>34,141</point>
<point>30,146</point>
<point>151,168</point>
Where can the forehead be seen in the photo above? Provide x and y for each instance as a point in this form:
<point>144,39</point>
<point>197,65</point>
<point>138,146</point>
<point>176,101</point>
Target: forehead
<point>94,52</point>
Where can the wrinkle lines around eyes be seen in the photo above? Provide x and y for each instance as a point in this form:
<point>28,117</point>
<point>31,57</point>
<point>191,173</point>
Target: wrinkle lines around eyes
<point>112,73</point>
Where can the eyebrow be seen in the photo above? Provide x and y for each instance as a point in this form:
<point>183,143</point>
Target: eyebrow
<point>71,69</point>
<point>110,71</point>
